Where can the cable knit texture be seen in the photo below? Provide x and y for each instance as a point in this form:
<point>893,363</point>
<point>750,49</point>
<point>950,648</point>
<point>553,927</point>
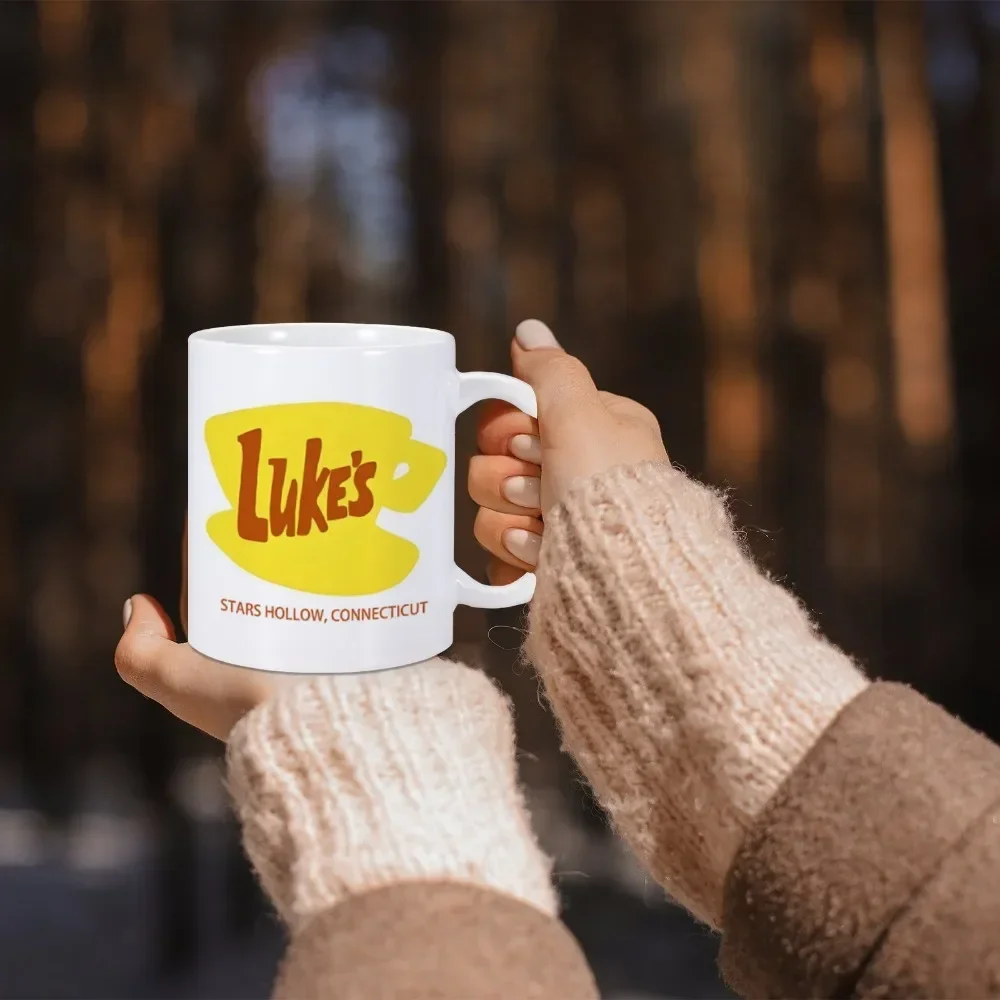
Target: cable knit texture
<point>347,784</point>
<point>687,684</point>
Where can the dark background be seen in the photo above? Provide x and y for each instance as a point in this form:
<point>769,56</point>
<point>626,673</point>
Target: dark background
<point>775,223</point>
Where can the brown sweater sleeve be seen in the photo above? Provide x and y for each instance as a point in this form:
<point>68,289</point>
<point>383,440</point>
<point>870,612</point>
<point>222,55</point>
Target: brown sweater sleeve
<point>434,941</point>
<point>875,870</point>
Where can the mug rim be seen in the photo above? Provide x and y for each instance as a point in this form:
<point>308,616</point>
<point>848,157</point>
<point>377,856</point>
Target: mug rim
<point>322,336</point>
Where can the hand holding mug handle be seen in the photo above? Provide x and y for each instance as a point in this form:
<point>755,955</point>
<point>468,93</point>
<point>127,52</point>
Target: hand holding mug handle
<point>474,387</point>
<point>580,431</point>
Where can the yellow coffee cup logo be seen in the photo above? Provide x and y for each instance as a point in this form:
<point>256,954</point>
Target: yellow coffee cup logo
<point>305,483</point>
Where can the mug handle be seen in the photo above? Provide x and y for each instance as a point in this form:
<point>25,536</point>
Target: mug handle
<point>474,387</point>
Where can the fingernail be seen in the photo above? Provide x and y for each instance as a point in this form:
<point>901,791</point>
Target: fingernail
<point>127,613</point>
<point>525,491</point>
<point>526,447</point>
<point>523,544</point>
<point>533,333</point>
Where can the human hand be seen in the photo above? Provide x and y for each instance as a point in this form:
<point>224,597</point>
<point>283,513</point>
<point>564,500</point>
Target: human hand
<point>526,466</point>
<point>205,693</point>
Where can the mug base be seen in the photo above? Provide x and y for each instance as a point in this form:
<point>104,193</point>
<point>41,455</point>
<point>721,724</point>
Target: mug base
<point>359,665</point>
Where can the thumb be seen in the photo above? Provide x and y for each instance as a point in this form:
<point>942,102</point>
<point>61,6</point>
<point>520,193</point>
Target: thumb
<point>146,643</point>
<point>144,617</point>
<point>562,384</point>
<point>202,692</point>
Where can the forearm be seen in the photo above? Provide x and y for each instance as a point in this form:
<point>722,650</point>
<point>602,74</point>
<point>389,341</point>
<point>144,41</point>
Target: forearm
<point>686,683</point>
<point>368,784</point>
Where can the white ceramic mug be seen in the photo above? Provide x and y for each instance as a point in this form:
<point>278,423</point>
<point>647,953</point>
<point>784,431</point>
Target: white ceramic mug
<point>321,472</point>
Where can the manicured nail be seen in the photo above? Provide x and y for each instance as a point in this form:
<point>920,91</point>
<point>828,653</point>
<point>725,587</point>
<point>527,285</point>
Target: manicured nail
<point>525,491</point>
<point>127,613</point>
<point>526,447</point>
<point>523,544</point>
<point>533,333</point>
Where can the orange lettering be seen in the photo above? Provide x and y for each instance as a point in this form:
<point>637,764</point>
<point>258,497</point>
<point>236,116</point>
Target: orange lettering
<point>364,473</point>
<point>249,524</point>
<point>295,508</point>
<point>313,481</point>
<point>334,509</point>
<point>282,518</point>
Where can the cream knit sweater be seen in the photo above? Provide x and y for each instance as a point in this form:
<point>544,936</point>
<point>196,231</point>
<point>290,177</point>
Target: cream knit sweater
<point>687,686</point>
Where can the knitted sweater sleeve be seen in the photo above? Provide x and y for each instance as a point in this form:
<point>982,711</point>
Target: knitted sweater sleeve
<point>383,817</point>
<point>687,684</point>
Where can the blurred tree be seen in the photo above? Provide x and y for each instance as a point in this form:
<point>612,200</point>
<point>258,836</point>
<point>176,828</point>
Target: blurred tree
<point>964,59</point>
<point>45,405</point>
<point>855,374</point>
<point>737,404</point>
<point>919,527</point>
<point>20,73</point>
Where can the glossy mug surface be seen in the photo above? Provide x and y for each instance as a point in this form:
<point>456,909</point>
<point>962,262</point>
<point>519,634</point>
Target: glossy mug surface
<point>321,483</point>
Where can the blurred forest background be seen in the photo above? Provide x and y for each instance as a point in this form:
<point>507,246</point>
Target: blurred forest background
<point>777,224</point>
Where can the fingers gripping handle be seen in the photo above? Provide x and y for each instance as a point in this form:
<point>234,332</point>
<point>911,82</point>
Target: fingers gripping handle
<point>474,387</point>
